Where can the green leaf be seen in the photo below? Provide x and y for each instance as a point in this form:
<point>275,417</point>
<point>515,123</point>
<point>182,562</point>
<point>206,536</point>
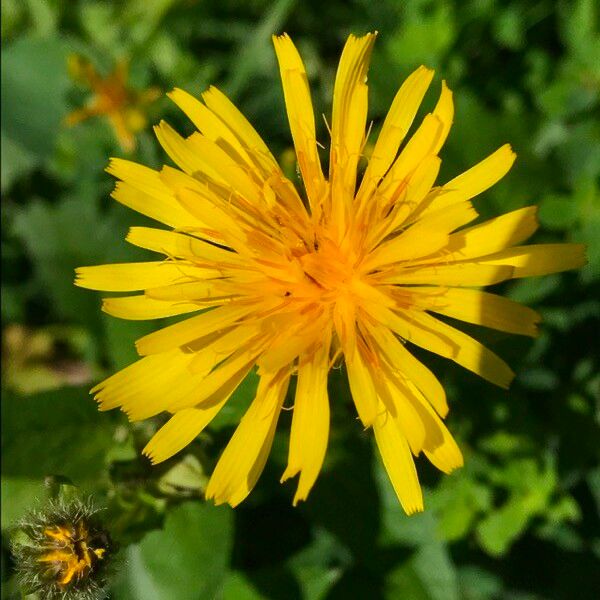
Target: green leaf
<point>19,495</point>
<point>509,28</point>
<point>530,487</point>
<point>98,20</point>
<point>187,559</point>
<point>530,291</point>
<point>558,212</point>
<point>58,432</point>
<point>44,17</point>
<point>428,572</point>
<point>58,239</point>
<point>72,233</point>
<point>238,587</point>
<point>255,52</point>
<point>34,85</point>
<point>502,527</point>
<point>185,478</point>
<point>318,566</point>
<point>424,36</point>
<point>53,433</point>
<point>478,584</point>
<point>458,500</point>
<point>580,154</point>
<point>587,196</point>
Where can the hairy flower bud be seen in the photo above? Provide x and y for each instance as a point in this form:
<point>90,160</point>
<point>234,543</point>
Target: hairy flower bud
<point>63,551</point>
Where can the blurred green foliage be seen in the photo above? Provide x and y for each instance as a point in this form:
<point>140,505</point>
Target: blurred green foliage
<point>521,519</point>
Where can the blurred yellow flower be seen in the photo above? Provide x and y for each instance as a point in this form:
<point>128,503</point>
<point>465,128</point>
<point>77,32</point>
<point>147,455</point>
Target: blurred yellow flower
<point>292,285</point>
<point>124,107</point>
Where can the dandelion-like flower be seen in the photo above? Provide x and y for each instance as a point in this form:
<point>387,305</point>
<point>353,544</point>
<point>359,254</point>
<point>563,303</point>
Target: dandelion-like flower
<point>64,553</point>
<point>292,283</point>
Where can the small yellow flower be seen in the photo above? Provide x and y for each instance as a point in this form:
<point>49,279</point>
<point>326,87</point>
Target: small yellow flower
<point>112,97</point>
<point>292,285</point>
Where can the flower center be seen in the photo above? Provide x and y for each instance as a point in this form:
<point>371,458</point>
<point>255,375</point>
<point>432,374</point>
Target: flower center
<point>328,268</point>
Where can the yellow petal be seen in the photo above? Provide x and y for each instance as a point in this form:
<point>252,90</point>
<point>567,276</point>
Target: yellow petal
<point>421,145</point>
<point>398,463</point>
<point>344,319</point>
<point>180,151</point>
<point>206,292</point>
<point>139,176</point>
<point>481,308</point>
<point>493,235</point>
<point>247,136</point>
<point>310,422</point>
<point>143,308</point>
<point>143,191</point>
<point>395,127</point>
<point>165,382</point>
<point>301,117</point>
<point>484,174</point>
<point>436,199</point>
<point>418,186</point>
<point>146,387</point>
<point>540,259</point>
<point>409,328</point>
<point>397,214</point>
<point>244,457</point>
<point>179,431</point>
<point>459,274</point>
<point>444,110</point>
<point>406,366</point>
<point>222,380</point>
<point>348,123</point>
<point>399,407</point>
<point>292,341</point>
<point>439,446</point>
<point>210,125</point>
<point>193,328</point>
<point>130,277</point>
<point>179,245</point>
<point>218,218</point>
<point>199,155</point>
<point>361,383</point>
<point>427,236</point>
<point>187,423</point>
<point>446,455</point>
<point>233,175</point>
<point>467,352</point>
<point>223,346</point>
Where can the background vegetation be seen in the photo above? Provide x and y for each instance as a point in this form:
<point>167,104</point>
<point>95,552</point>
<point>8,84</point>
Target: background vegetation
<point>521,519</point>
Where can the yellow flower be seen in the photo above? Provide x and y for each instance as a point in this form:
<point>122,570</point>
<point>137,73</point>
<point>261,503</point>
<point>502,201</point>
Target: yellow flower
<point>123,107</point>
<point>291,286</point>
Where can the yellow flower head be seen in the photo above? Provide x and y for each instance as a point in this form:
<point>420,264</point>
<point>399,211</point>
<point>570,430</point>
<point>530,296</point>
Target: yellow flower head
<point>291,286</point>
<point>124,107</point>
